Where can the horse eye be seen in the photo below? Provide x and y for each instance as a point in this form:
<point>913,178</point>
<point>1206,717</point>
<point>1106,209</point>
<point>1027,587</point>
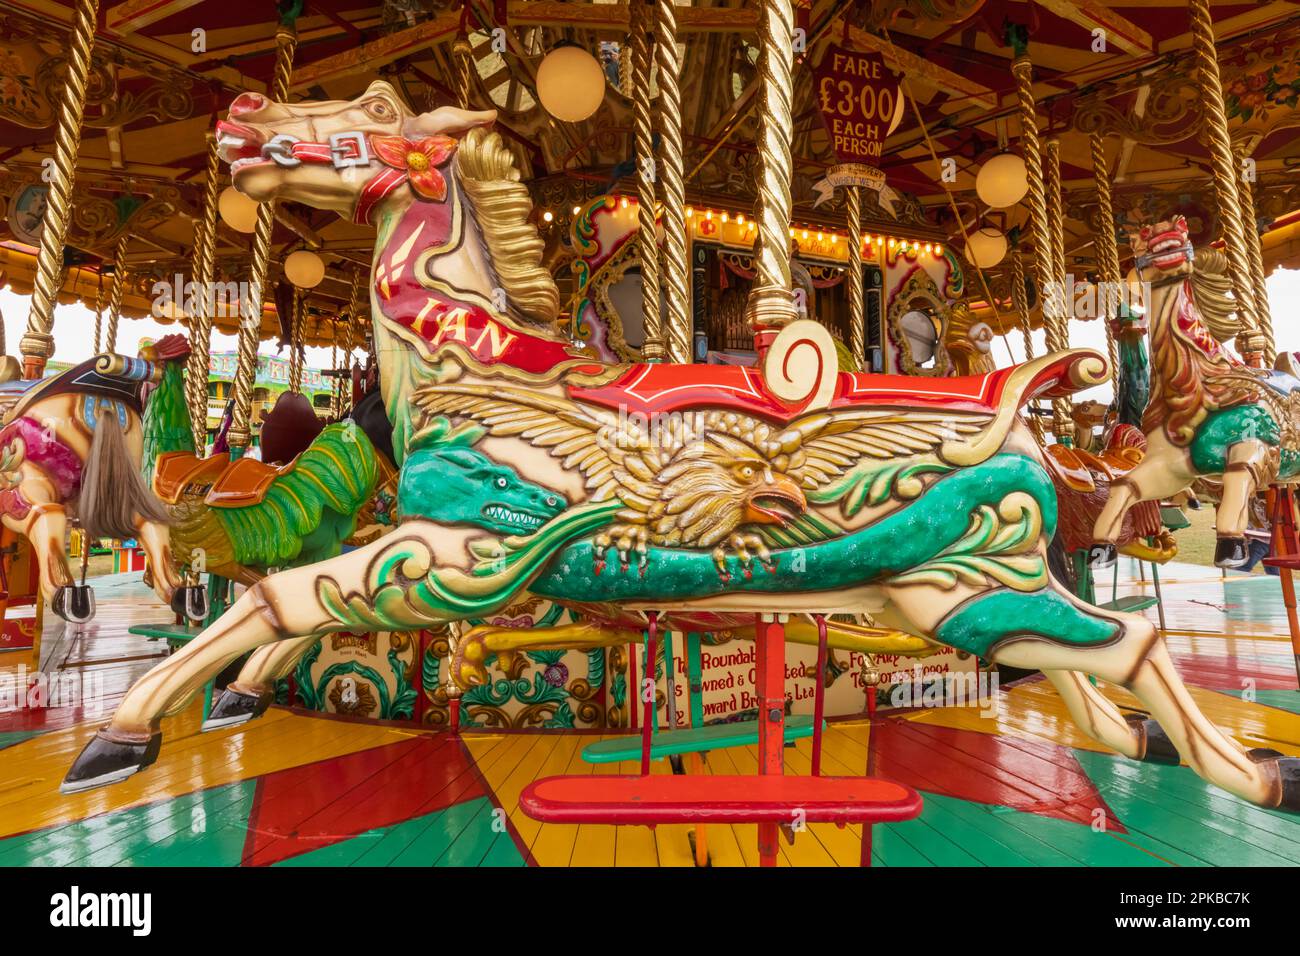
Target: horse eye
<point>378,109</point>
<point>501,482</point>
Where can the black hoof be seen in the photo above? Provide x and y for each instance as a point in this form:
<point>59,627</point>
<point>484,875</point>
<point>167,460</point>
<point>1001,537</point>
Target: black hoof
<point>74,603</point>
<point>1102,555</point>
<point>1288,777</point>
<point>109,758</point>
<point>191,602</point>
<point>1230,553</point>
<point>235,707</point>
<point>1154,744</point>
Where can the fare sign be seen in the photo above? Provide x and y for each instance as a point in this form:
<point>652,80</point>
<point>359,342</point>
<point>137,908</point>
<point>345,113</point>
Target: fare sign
<point>861,103</point>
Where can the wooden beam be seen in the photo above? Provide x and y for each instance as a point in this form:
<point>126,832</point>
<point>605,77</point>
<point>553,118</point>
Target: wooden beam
<point>368,57</point>
<point>132,15</point>
<point>916,68</point>
<point>1091,15</point>
<point>613,17</point>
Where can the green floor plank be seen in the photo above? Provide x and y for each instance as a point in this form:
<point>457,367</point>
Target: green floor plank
<point>1281,699</point>
<point>201,827</point>
<point>11,737</point>
<point>345,852</point>
<point>475,838</point>
<point>503,852</point>
<point>1173,806</point>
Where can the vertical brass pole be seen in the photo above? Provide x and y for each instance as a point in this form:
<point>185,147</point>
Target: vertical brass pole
<point>857,313</point>
<point>463,59</point>
<point>642,13</point>
<point>674,264</point>
<point>1249,340</point>
<point>1250,225</point>
<point>1044,258</point>
<point>295,342</point>
<point>771,302</point>
<point>205,248</point>
<point>116,293</point>
<point>250,326</point>
<point>37,345</point>
<point>1107,249</point>
<point>350,329</point>
<point>99,308</point>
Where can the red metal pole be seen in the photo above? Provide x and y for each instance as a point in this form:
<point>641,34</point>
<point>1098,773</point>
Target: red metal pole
<point>819,698</point>
<point>647,731</point>
<point>769,682</point>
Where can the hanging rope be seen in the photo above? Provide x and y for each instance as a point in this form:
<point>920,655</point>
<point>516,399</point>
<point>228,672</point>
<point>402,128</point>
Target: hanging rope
<point>1255,250</point>
<point>1053,307</point>
<point>239,435</point>
<point>1249,340</point>
<point>1107,248</point>
<point>677,329</point>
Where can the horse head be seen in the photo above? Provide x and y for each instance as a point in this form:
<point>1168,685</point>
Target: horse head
<point>343,155</point>
<point>1163,251</point>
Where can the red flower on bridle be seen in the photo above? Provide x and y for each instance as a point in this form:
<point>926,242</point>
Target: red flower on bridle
<point>419,159</point>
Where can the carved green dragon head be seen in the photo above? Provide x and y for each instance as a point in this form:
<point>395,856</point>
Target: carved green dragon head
<point>446,480</point>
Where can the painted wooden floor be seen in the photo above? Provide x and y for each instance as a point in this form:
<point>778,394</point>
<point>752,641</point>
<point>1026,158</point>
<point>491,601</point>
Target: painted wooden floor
<point>1016,785</point>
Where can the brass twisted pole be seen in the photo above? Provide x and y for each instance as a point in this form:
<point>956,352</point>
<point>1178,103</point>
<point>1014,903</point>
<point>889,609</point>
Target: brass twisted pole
<point>771,301</point>
<point>1225,179</point>
<point>344,385</point>
<point>37,344</point>
<point>1250,222</point>
<point>654,349</point>
<point>295,342</point>
<point>205,248</point>
<point>673,264</point>
<point>857,315</point>
<point>1020,300</point>
<point>116,293</point>
<point>250,326</point>
<point>1044,258</point>
<point>461,55</point>
<point>1107,248</point>
<point>99,308</point>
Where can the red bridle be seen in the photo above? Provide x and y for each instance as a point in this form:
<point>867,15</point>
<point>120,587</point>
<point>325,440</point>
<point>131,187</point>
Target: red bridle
<point>342,151</point>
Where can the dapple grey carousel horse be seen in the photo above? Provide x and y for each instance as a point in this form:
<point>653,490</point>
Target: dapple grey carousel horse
<point>71,445</point>
<point>1209,414</point>
<point>701,494</point>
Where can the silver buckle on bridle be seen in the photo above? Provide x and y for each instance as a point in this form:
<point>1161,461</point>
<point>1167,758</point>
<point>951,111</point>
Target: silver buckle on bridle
<point>279,149</point>
<point>349,149</point>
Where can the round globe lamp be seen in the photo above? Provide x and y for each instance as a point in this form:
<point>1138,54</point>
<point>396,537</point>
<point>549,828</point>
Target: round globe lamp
<point>304,269</point>
<point>986,248</point>
<point>1002,181</point>
<point>570,83</point>
<point>237,210</point>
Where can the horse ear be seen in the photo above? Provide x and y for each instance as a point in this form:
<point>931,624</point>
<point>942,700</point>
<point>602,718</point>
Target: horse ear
<point>447,121</point>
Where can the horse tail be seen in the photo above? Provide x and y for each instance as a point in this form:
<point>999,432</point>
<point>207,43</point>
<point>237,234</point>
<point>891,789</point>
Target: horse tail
<point>112,489</point>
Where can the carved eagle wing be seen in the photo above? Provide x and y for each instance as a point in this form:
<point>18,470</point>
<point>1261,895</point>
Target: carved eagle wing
<point>826,444</point>
<point>614,454</point>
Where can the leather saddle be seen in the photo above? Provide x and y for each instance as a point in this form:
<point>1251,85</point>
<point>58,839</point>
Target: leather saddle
<point>221,482</point>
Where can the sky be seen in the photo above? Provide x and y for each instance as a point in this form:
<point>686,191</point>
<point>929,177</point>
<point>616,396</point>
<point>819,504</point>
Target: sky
<point>74,331</point>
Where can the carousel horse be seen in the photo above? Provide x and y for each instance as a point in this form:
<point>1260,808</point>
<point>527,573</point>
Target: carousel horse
<point>702,495</point>
<point>1085,476</point>
<point>71,447</point>
<point>1208,414</point>
<point>237,519</point>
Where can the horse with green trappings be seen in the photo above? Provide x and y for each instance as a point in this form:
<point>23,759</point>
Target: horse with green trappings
<point>705,495</point>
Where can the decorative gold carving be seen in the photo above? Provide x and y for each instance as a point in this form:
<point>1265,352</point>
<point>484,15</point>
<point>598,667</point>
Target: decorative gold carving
<point>920,286</point>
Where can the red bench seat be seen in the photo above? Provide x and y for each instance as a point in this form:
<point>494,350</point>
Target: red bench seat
<point>671,798</point>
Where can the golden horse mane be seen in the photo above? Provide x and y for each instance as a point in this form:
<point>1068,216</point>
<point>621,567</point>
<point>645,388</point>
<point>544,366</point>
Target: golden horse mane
<point>501,204</point>
<point>1188,383</point>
